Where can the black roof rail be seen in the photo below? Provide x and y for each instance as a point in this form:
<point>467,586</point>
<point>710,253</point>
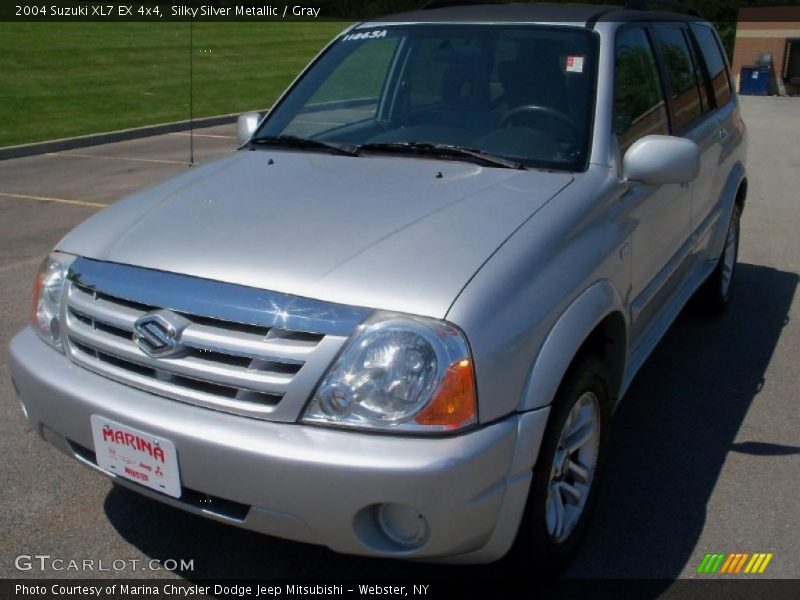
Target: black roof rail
<point>451,3</point>
<point>674,4</point>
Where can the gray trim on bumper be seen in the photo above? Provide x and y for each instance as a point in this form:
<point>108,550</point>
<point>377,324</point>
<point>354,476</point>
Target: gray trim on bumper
<point>304,483</point>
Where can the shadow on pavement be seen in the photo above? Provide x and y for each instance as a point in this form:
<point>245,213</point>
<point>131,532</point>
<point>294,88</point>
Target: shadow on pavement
<point>762,449</point>
<point>671,436</point>
<point>675,427</point>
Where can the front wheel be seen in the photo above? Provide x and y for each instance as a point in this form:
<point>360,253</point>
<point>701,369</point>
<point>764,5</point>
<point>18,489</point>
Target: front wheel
<point>567,474</point>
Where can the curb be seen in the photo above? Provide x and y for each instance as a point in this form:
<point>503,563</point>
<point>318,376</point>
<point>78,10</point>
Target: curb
<point>113,136</point>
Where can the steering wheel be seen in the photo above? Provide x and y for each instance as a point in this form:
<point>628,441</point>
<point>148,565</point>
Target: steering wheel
<point>540,110</point>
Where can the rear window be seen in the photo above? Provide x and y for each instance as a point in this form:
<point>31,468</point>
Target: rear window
<point>715,63</point>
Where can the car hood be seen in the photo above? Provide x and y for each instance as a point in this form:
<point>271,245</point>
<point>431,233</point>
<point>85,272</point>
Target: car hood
<point>395,233</point>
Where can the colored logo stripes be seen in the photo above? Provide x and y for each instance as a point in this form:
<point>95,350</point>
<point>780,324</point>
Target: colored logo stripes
<point>735,562</point>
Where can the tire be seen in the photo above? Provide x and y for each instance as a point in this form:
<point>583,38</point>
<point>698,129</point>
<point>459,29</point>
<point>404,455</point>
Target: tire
<point>542,547</point>
<point>717,290</point>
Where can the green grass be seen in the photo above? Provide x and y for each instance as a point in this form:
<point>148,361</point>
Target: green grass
<point>63,79</point>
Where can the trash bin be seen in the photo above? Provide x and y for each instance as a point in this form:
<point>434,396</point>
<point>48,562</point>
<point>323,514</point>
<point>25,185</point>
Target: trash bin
<point>754,81</point>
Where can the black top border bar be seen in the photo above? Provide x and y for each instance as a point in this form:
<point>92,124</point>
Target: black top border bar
<point>717,11</point>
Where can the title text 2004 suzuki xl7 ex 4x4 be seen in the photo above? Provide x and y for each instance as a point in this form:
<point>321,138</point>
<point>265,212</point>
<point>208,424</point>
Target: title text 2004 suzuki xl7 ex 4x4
<point>397,321</point>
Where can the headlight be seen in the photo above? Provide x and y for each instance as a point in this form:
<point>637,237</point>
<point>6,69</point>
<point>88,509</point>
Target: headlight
<point>399,373</point>
<point>47,292</point>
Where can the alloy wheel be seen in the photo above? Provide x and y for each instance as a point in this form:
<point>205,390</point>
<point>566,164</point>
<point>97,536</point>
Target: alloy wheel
<point>573,469</point>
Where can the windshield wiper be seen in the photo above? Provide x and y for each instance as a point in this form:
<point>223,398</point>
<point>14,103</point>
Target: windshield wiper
<point>291,141</point>
<point>441,150</point>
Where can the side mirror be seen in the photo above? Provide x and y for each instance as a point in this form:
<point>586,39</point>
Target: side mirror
<point>661,159</point>
<point>246,125</point>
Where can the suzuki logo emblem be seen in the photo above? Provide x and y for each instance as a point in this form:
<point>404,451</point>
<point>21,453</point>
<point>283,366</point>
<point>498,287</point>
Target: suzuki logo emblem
<point>157,333</point>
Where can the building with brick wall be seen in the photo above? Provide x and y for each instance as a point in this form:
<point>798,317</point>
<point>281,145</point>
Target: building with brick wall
<point>774,30</point>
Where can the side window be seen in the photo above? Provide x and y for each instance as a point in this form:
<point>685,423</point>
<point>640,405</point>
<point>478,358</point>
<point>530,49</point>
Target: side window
<point>681,76</point>
<point>715,63</point>
<point>639,107</point>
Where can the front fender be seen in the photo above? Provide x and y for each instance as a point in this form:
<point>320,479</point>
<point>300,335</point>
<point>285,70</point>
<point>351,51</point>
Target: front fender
<point>565,339</point>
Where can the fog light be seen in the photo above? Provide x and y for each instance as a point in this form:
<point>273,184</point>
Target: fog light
<point>402,524</point>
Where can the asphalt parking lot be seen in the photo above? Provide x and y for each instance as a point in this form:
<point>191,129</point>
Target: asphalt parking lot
<point>705,451</point>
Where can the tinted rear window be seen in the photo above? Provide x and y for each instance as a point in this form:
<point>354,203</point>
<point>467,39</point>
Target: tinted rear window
<point>715,63</point>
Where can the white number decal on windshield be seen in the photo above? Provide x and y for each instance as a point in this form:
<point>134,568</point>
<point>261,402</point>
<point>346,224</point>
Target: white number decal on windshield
<point>365,35</point>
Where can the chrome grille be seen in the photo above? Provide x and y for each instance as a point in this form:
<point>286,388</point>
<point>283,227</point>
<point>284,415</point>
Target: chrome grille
<point>259,364</point>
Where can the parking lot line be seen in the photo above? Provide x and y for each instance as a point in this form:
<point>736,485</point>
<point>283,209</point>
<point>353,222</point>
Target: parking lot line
<point>49,199</point>
<point>147,160</point>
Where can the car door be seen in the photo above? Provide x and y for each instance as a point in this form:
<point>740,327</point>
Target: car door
<point>694,115</point>
<point>709,208</point>
<point>660,215</point>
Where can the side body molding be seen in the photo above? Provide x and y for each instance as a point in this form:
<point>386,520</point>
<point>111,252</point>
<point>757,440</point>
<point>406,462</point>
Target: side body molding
<point>565,338</point>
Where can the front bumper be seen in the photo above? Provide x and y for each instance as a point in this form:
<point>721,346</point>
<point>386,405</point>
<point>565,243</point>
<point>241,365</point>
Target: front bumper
<point>299,482</point>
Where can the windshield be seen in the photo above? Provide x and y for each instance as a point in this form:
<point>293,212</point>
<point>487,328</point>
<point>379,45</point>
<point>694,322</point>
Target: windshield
<point>520,92</point>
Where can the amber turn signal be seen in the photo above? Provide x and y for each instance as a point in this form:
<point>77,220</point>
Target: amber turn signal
<point>453,405</point>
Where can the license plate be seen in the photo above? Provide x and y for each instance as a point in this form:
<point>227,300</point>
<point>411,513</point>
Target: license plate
<point>136,455</point>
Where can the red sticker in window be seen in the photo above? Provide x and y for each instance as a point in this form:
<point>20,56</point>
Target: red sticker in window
<point>575,64</point>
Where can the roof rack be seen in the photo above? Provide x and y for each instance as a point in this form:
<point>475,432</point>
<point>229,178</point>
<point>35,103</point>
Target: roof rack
<point>451,3</point>
<point>675,4</point>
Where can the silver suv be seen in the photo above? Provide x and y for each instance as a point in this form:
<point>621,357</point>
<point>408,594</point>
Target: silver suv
<point>397,321</point>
